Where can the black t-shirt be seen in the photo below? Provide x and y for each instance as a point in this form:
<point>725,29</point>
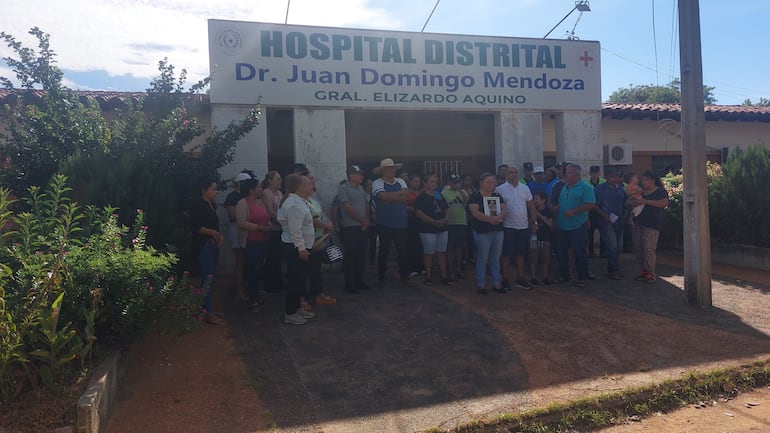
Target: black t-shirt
<point>652,216</point>
<point>544,233</point>
<point>483,226</point>
<point>202,214</point>
<point>432,207</point>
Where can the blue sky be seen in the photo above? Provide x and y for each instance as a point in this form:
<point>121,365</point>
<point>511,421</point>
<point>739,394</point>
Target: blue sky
<point>116,45</point>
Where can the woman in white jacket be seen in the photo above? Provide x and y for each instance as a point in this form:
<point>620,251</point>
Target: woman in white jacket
<point>297,241</point>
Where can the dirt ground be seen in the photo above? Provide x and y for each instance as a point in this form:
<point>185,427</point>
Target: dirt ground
<point>193,383</point>
<point>748,412</point>
<point>404,360</point>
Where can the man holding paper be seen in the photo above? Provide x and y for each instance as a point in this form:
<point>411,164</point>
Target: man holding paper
<point>610,206</point>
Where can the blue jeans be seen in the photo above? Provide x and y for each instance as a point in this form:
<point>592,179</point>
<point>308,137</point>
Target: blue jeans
<point>255,253</point>
<point>578,240</point>
<point>489,246</point>
<point>207,260</point>
<point>612,241</point>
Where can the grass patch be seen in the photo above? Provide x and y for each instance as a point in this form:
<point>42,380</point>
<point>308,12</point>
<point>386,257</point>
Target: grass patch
<point>271,424</point>
<point>597,412</point>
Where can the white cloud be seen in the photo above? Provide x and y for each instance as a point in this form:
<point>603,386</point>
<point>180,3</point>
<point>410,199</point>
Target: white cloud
<point>131,36</point>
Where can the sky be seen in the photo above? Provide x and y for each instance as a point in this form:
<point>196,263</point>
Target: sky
<point>116,45</point>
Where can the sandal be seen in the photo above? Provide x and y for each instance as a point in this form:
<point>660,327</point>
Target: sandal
<point>324,299</point>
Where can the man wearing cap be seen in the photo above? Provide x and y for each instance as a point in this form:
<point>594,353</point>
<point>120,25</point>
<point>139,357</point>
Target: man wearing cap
<point>457,224</point>
<point>539,183</point>
<point>301,169</point>
<point>354,222</point>
<point>610,206</point>
<point>390,196</point>
<point>593,218</point>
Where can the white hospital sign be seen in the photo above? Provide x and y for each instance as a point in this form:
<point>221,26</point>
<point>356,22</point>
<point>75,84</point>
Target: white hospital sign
<point>330,67</point>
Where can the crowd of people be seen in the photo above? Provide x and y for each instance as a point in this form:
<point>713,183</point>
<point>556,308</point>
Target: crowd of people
<point>507,226</point>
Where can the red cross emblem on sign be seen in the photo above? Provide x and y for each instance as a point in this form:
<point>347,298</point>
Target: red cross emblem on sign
<point>586,59</point>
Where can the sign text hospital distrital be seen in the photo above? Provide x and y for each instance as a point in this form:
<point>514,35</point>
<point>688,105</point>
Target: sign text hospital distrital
<point>317,66</point>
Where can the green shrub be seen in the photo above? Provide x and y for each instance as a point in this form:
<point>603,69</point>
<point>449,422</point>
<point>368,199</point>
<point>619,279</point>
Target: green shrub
<point>72,278</point>
<point>738,203</point>
<point>142,159</point>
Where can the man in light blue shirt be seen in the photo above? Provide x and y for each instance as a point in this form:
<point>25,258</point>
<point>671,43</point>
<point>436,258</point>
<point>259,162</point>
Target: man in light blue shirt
<point>575,201</point>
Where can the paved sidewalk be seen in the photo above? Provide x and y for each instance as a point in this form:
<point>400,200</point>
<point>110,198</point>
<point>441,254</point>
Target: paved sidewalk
<point>406,359</point>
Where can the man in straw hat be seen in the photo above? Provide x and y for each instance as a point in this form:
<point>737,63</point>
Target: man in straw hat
<point>390,195</point>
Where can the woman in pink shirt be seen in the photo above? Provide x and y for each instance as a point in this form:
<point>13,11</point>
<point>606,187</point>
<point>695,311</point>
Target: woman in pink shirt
<point>253,222</point>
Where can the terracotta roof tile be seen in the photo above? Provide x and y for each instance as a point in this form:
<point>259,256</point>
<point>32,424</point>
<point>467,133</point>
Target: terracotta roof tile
<point>713,112</point>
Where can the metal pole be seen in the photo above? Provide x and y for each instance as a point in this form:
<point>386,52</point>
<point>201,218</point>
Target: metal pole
<point>562,20</point>
<point>697,236</point>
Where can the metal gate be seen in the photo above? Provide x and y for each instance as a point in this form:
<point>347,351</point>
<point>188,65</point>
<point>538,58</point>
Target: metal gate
<point>443,169</point>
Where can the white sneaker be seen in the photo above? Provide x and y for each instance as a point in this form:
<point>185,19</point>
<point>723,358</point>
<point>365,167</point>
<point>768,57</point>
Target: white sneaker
<point>305,314</point>
<point>294,319</point>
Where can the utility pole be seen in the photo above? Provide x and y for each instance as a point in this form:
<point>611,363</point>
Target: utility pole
<point>697,235</point>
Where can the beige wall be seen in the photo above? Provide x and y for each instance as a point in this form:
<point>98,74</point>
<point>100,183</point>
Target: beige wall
<point>664,135</point>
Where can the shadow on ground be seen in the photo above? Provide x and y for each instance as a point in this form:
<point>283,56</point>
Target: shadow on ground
<point>401,349</point>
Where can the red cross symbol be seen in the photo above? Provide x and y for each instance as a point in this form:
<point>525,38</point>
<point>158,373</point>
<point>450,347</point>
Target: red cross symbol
<point>586,58</point>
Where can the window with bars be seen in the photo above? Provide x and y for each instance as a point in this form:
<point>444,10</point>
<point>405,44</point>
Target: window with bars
<point>442,169</point>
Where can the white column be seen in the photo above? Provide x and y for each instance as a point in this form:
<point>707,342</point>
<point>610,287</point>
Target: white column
<point>319,142</point>
<point>518,139</point>
<point>579,138</point>
<point>251,150</point>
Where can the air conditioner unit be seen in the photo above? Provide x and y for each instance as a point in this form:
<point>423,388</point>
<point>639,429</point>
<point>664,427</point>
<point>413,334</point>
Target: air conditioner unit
<point>619,154</point>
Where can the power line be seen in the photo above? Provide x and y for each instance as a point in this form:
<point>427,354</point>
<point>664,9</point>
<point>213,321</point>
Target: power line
<point>288,3</point>
<point>655,44</point>
<point>429,16</point>
<point>674,39</point>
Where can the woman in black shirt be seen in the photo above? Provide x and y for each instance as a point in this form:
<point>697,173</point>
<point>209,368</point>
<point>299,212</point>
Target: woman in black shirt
<point>647,224</point>
<point>206,241</point>
<point>430,210</point>
<point>487,211</point>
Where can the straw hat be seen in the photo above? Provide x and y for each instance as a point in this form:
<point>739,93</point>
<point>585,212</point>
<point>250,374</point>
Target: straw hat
<point>387,162</point>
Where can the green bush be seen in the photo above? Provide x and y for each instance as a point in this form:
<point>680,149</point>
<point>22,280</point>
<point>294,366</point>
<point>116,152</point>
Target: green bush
<point>738,203</point>
<point>72,278</point>
<point>142,159</point>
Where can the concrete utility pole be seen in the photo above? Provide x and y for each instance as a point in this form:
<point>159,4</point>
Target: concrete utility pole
<point>697,235</point>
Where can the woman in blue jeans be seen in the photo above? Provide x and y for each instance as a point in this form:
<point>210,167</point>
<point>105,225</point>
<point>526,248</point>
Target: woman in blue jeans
<point>206,241</point>
<point>487,212</point>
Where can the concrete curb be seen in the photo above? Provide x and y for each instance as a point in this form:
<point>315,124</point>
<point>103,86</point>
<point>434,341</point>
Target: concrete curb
<point>98,401</point>
<point>747,256</point>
